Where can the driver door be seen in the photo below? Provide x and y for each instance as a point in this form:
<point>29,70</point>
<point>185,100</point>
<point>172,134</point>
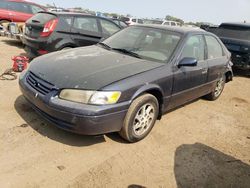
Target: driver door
<point>189,82</point>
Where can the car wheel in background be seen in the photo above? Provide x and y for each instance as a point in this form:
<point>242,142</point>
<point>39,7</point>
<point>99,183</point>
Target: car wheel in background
<point>215,94</point>
<point>140,118</point>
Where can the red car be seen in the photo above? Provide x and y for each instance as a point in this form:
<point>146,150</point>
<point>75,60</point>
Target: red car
<point>18,10</point>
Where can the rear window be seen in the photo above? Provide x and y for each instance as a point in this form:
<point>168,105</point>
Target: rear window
<point>19,7</point>
<point>35,9</point>
<point>125,19</point>
<point>231,31</point>
<point>42,18</point>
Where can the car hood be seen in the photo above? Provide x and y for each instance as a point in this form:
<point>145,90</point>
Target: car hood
<point>88,67</point>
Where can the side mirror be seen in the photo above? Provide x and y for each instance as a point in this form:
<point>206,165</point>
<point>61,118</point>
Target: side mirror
<point>188,62</point>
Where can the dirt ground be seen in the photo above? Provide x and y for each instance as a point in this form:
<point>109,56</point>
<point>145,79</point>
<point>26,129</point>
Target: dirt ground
<point>202,144</point>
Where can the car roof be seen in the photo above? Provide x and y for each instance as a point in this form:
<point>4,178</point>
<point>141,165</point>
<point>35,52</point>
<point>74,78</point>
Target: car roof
<point>182,30</point>
<point>66,13</point>
<point>237,24</point>
<point>25,1</point>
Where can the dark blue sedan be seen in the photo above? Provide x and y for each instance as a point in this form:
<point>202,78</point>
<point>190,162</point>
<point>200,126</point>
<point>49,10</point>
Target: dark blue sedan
<point>127,82</point>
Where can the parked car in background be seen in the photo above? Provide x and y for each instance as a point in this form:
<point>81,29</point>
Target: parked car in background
<point>158,22</point>
<point>120,22</point>
<point>212,29</point>
<point>127,82</point>
<point>48,32</point>
<point>18,10</point>
<point>171,23</point>
<point>236,37</point>
<point>132,21</point>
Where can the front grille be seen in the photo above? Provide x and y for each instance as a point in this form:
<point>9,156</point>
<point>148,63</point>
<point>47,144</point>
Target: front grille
<point>39,84</point>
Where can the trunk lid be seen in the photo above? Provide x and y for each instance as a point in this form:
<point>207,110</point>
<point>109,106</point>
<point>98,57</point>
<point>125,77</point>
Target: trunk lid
<point>35,25</point>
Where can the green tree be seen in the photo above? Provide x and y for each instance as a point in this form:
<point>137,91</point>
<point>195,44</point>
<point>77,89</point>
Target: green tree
<point>172,18</point>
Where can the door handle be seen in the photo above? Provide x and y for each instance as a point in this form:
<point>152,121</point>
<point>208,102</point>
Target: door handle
<point>204,71</point>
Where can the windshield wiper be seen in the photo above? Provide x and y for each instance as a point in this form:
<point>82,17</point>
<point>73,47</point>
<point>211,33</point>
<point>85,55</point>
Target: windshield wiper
<point>127,52</point>
<point>104,45</point>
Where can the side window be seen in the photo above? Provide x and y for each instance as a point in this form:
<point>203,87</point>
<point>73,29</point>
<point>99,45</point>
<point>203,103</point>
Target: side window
<point>19,7</point>
<point>65,22</point>
<point>214,48</point>
<point>133,20</point>
<point>172,24</point>
<point>166,23</point>
<point>108,27</point>
<point>35,9</point>
<point>86,24</point>
<point>194,47</point>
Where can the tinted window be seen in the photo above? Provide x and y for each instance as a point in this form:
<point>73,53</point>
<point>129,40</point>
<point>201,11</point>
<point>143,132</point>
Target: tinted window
<point>3,5</point>
<point>133,20</point>
<point>19,7</point>
<point>172,24</point>
<point>149,43</point>
<point>108,27</point>
<point>194,48</point>
<point>87,24</point>
<point>35,9</point>
<point>125,19</point>
<point>213,47</point>
<point>231,31</point>
<point>140,21</point>
<point>166,23</point>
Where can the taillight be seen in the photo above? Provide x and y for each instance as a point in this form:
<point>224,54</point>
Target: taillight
<point>49,27</point>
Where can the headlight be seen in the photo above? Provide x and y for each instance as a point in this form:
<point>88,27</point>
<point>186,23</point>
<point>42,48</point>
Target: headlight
<point>90,97</point>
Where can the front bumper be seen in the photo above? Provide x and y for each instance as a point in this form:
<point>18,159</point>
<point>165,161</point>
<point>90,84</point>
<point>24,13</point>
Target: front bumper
<point>74,117</point>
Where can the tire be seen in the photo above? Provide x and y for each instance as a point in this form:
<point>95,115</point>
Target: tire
<point>137,124</point>
<point>217,90</point>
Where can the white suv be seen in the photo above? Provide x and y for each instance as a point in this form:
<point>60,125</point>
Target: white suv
<point>171,23</point>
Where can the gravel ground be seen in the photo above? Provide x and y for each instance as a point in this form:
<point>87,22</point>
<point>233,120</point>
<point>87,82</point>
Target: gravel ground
<point>202,144</point>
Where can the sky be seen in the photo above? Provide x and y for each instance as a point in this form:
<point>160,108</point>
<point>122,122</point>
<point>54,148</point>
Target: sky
<point>213,11</point>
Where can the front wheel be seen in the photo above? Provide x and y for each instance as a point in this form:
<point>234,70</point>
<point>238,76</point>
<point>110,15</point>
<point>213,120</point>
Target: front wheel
<point>215,94</point>
<point>140,118</point>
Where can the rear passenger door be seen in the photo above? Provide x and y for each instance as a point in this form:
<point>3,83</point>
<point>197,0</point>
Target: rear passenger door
<point>108,28</point>
<point>85,31</point>
<point>216,58</point>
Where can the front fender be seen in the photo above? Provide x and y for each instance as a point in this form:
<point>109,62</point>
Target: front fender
<point>147,88</point>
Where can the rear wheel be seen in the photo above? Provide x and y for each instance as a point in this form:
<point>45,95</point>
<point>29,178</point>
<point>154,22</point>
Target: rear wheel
<point>140,118</point>
<point>215,94</point>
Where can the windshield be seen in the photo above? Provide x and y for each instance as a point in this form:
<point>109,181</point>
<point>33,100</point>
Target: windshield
<point>148,43</point>
<point>237,32</point>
